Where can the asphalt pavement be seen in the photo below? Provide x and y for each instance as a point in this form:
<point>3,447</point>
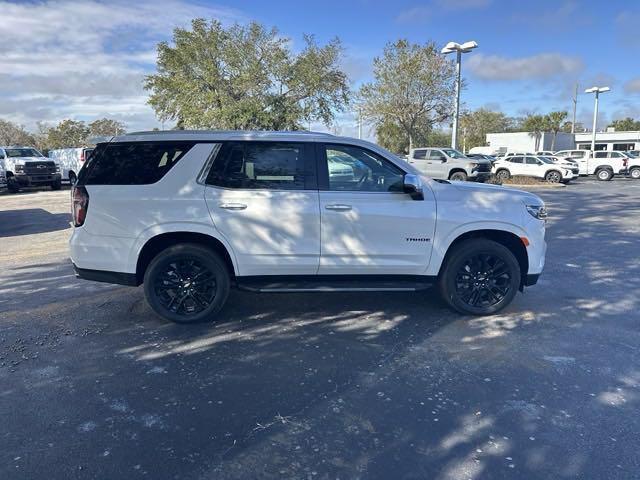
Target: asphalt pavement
<point>319,386</point>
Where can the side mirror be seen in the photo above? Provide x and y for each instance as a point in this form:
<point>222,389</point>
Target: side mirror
<point>412,185</point>
<point>442,159</point>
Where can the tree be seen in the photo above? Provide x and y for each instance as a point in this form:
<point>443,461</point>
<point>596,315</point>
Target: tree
<point>625,125</point>
<point>475,126</point>
<point>14,134</point>
<point>554,121</point>
<point>536,125</point>
<point>67,134</point>
<point>245,77</point>
<point>412,88</point>
<point>393,137</point>
<point>105,127</point>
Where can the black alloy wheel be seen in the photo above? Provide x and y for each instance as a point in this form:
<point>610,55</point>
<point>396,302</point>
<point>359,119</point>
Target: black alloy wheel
<point>187,283</point>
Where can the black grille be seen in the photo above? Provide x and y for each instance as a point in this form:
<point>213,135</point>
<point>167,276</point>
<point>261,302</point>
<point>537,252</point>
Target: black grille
<point>483,167</point>
<point>39,168</point>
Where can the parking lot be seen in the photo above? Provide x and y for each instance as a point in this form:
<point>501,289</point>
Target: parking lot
<point>384,385</point>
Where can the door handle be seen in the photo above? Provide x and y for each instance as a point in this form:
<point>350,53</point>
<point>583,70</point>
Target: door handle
<point>338,207</point>
<point>233,206</point>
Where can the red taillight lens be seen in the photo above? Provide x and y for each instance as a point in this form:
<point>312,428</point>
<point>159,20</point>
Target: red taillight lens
<point>79,205</point>
<point>82,157</point>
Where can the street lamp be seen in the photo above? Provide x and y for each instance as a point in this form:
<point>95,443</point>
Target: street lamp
<point>597,91</point>
<point>459,49</point>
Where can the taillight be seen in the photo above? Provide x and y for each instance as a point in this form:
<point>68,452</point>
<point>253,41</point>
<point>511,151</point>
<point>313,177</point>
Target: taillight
<point>82,159</point>
<point>79,205</point>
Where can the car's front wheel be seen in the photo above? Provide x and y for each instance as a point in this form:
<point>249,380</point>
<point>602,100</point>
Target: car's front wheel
<point>553,176</point>
<point>57,185</point>
<point>479,277</point>
<point>458,176</point>
<point>635,173</point>
<point>187,283</point>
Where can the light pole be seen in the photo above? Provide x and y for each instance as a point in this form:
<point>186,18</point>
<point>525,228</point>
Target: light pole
<point>597,91</point>
<point>459,49</point>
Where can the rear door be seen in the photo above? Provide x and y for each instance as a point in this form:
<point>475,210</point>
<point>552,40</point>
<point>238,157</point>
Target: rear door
<point>368,225</point>
<point>517,165</point>
<point>263,199</point>
<point>419,159</point>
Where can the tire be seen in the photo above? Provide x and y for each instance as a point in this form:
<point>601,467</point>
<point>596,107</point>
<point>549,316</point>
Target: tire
<point>467,269</point>
<point>635,173</point>
<point>604,174</point>
<point>72,178</point>
<point>169,286</point>
<point>56,185</point>
<point>503,175</point>
<point>12,185</point>
<point>553,176</point>
<point>458,176</point>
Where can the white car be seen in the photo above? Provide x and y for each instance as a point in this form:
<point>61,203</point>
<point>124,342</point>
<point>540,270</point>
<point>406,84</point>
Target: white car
<point>70,161</point>
<point>564,163</point>
<point>531,166</point>
<point>190,214</point>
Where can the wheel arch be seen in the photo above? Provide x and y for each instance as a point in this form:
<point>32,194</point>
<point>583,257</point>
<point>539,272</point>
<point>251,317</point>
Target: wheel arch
<point>156,244</point>
<point>510,238</point>
<point>456,170</point>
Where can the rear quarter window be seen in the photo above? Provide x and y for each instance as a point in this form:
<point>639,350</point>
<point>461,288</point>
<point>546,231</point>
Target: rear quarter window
<point>132,163</point>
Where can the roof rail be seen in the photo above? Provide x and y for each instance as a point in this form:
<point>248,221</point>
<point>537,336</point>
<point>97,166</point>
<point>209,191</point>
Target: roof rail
<point>200,132</point>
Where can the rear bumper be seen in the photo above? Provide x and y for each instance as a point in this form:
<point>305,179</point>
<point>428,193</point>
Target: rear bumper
<point>118,278</point>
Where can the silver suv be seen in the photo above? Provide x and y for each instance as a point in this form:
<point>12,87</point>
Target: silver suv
<point>449,164</point>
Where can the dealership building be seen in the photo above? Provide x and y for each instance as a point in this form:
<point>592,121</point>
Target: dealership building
<point>526,141</point>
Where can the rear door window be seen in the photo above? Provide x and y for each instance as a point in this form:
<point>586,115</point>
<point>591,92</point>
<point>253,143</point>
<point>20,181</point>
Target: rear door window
<point>420,154</point>
<point>132,163</point>
<point>263,165</point>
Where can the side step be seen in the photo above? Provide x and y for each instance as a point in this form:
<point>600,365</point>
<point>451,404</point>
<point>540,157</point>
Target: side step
<point>335,283</point>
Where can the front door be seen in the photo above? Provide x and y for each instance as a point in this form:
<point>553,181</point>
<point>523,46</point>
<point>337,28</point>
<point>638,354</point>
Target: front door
<point>368,225</point>
<point>263,198</point>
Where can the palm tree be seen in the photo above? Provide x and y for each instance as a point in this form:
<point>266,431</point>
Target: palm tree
<point>535,124</point>
<point>554,121</point>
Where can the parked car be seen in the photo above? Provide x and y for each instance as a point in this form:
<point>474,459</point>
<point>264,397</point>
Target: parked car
<point>603,164</point>
<point>449,164</point>
<point>531,166</point>
<point>482,156</point>
<point>27,167</point>
<point>3,175</point>
<point>70,161</point>
<point>190,214</point>
<point>633,165</point>
<point>545,153</point>
<point>564,163</point>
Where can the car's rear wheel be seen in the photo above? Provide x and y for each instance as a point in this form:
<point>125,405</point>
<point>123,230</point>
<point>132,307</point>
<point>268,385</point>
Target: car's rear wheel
<point>187,283</point>
<point>72,178</point>
<point>479,277</point>
<point>604,174</point>
<point>634,173</point>
<point>553,176</point>
<point>503,175</point>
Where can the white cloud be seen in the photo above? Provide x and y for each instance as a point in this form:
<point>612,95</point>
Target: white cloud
<point>414,15</point>
<point>536,67</point>
<point>632,86</point>
<point>85,59</point>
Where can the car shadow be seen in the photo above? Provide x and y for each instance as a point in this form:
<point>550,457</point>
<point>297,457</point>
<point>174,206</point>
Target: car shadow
<point>15,223</point>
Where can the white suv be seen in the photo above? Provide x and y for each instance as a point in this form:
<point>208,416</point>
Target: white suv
<point>531,166</point>
<point>190,214</point>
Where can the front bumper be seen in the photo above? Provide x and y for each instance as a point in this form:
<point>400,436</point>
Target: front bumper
<point>25,180</point>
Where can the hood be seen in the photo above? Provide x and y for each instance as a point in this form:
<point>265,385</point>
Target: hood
<point>499,191</point>
<point>29,159</point>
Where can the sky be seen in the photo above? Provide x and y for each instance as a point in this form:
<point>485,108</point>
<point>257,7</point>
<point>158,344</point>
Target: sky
<point>87,59</point>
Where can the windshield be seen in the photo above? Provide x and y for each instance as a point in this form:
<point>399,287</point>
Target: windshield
<point>453,153</point>
<point>22,152</point>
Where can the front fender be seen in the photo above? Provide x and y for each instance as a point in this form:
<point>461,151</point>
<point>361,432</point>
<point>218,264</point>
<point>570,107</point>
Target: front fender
<point>441,245</point>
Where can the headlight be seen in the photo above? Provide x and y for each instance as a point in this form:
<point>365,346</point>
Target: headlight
<point>57,168</point>
<point>19,168</point>
<point>473,165</point>
<point>537,211</point>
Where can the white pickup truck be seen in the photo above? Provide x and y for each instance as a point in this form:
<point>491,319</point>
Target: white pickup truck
<point>603,164</point>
